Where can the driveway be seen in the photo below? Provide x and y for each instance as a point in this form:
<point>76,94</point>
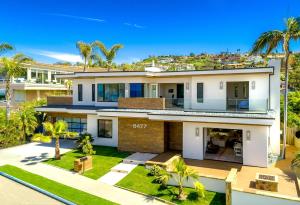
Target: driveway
<point>32,153</point>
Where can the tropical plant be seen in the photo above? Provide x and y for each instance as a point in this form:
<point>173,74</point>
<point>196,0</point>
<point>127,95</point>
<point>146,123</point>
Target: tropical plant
<point>200,189</point>
<point>155,170</point>
<point>180,173</point>
<point>96,60</point>
<point>86,146</point>
<point>85,50</point>
<point>295,164</point>
<point>11,68</point>
<point>69,84</point>
<point>163,178</point>
<point>28,120</point>
<point>4,47</point>
<point>268,42</point>
<point>109,54</point>
<point>82,137</point>
<point>54,131</point>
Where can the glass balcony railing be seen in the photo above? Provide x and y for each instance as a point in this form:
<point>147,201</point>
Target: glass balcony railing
<point>213,105</point>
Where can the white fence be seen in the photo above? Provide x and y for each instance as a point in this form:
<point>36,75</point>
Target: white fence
<point>245,198</point>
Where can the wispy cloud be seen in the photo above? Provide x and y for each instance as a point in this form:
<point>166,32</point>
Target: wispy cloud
<point>134,25</point>
<point>59,56</point>
<point>76,17</point>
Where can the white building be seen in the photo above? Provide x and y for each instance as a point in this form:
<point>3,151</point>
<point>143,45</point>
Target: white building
<point>227,115</point>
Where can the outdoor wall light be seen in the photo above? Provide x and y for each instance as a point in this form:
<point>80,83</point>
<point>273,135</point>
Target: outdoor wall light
<point>253,85</point>
<point>221,85</point>
<point>197,132</point>
<point>248,135</point>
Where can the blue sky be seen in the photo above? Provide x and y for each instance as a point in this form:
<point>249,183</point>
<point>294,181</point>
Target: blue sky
<point>48,30</point>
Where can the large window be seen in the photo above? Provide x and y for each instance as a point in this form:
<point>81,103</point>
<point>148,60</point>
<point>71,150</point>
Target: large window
<point>93,92</point>
<point>79,92</point>
<point>75,124</point>
<point>110,92</point>
<point>200,92</point>
<point>105,128</point>
<point>136,90</point>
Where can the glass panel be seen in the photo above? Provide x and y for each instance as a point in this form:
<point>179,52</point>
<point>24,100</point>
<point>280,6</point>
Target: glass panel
<point>136,90</point>
<point>121,90</point>
<point>105,128</point>
<point>100,92</point>
<point>200,92</point>
<point>93,92</point>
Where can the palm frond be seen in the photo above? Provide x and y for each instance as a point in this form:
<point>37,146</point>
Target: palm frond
<point>5,47</point>
<point>267,41</point>
<point>41,138</point>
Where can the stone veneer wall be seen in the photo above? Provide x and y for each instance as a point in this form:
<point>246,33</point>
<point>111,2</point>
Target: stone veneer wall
<point>59,100</point>
<point>142,103</point>
<point>141,135</point>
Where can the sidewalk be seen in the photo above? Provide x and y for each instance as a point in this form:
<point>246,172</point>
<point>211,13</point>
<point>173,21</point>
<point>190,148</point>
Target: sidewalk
<point>88,185</point>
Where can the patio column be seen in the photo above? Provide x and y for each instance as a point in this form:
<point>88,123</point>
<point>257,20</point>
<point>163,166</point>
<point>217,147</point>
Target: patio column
<point>228,185</point>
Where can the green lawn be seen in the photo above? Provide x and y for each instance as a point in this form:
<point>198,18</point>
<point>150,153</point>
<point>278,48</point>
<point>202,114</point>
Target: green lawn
<point>139,180</point>
<point>104,159</point>
<point>66,192</point>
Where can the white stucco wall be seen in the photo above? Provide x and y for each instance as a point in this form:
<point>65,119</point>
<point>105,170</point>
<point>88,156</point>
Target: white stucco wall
<point>86,91</point>
<point>215,98</point>
<point>210,184</point>
<point>255,151</point>
<point>244,198</point>
<point>92,127</point>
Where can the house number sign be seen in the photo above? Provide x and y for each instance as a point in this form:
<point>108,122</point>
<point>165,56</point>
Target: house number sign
<point>139,126</point>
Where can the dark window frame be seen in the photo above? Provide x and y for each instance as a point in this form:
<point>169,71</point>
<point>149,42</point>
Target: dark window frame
<point>93,93</point>
<point>103,122</point>
<point>80,90</point>
<point>101,97</point>
<point>200,95</point>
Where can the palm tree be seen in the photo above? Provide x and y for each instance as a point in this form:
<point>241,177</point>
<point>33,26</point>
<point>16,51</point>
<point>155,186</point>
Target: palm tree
<point>4,47</point>
<point>85,50</point>
<point>96,60</point>
<point>11,68</point>
<point>54,131</point>
<point>109,54</point>
<point>181,173</point>
<point>28,120</point>
<point>295,163</point>
<point>268,42</point>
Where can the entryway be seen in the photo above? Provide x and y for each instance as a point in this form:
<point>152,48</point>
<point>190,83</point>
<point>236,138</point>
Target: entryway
<point>223,144</point>
<point>173,132</point>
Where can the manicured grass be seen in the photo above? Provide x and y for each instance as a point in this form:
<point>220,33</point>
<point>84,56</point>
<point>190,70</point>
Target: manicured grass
<point>66,192</point>
<point>139,180</point>
<point>104,159</point>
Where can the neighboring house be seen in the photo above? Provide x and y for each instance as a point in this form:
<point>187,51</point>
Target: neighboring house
<point>38,82</point>
<point>227,115</point>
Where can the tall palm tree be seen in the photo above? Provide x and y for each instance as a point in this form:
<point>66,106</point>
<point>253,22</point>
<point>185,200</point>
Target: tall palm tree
<point>109,54</point>
<point>268,42</point>
<point>28,120</point>
<point>4,47</point>
<point>54,131</point>
<point>11,68</point>
<point>85,50</point>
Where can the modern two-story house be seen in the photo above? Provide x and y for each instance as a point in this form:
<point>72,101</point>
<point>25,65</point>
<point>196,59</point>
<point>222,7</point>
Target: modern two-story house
<point>228,115</point>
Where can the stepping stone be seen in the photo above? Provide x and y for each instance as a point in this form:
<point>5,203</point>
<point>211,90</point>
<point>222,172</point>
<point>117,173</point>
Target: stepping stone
<point>123,168</point>
<point>139,158</point>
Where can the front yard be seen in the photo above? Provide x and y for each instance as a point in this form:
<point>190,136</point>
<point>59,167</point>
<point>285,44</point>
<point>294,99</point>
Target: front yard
<point>74,195</point>
<point>138,180</point>
<point>103,160</point>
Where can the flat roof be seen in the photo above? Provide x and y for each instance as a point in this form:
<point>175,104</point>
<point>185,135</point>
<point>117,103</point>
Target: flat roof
<point>247,70</point>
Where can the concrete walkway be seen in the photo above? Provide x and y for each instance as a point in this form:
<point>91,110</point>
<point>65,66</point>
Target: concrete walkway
<point>88,185</point>
<point>29,157</point>
<point>121,170</point>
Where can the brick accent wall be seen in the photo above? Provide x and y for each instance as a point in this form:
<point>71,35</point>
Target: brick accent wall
<point>59,100</point>
<point>141,135</point>
<point>142,103</point>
